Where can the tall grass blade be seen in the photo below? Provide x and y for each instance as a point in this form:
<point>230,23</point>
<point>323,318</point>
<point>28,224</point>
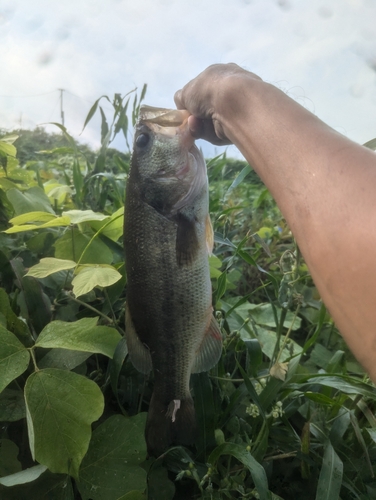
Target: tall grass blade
<point>240,178</point>
<point>330,479</point>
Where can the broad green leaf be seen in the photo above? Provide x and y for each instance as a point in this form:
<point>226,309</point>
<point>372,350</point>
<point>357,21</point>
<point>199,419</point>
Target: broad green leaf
<point>268,339</point>
<point>65,359</point>
<point>215,262</point>
<point>81,335</point>
<point>32,217</point>
<point>9,138</point>
<point>49,265</point>
<point>320,355</point>
<point>32,200</point>
<point>91,276</point>
<point>159,485</point>
<point>14,324</point>
<point>240,453</point>
<point>112,227</point>
<point>14,357</point>
<point>263,315</point>
<point>79,216</point>
<point>12,405</point>
<point>60,408</point>
<point>25,476</point>
<point>73,243</point>
<point>8,458</point>
<point>56,222</point>
<point>6,184</point>
<point>57,191</point>
<point>111,467</point>
<point>7,149</point>
<point>38,306</point>
<point>330,479</point>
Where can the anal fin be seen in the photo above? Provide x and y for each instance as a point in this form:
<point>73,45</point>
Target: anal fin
<point>139,354</point>
<point>210,349</point>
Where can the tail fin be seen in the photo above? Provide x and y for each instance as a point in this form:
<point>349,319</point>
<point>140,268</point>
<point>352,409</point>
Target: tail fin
<point>174,423</point>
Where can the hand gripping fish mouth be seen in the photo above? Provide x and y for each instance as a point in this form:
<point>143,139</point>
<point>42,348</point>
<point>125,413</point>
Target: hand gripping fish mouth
<point>170,328</point>
<point>167,130</point>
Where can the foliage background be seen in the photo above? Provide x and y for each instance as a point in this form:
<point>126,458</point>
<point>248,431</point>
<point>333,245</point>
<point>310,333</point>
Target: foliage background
<point>286,413</point>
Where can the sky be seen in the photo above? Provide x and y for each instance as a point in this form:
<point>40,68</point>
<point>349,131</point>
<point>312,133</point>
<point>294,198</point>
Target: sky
<point>322,53</point>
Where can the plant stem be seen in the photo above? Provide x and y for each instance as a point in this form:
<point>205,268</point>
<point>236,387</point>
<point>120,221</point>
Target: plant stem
<point>32,354</point>
<point>104,316</point>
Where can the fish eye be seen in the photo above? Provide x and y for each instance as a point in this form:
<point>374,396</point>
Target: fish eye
<point>142,140</point>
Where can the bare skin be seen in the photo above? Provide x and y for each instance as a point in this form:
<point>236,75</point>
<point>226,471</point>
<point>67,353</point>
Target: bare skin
<point>324,184</point>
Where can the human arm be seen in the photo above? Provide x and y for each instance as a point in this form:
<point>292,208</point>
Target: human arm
<point>324,184</point>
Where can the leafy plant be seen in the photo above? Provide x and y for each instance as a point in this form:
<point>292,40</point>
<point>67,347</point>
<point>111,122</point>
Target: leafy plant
<point>286,413</point>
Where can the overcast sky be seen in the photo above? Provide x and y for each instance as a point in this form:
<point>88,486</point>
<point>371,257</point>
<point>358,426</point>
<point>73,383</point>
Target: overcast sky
<point>321,52</point>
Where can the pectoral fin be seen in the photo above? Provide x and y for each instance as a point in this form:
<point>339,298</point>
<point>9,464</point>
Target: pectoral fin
<point>210,349</point>
<point>139,354</point>
<point>187,243</point>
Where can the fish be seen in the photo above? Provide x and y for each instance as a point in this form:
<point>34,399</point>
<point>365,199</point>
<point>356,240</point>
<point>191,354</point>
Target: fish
<point>168,236</point>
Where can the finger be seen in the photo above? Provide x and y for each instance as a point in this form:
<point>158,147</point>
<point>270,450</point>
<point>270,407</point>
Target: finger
<point>208,133</point>
<point>196,127</point>
<point>178,99</point>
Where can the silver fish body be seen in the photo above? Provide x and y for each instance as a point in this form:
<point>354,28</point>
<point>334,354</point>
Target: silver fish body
<point>170,328</point>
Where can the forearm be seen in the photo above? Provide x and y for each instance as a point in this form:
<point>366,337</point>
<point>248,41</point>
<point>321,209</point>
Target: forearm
<point>325,186</point>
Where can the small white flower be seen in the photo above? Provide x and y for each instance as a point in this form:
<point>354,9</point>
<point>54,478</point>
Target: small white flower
<point>252,410</point>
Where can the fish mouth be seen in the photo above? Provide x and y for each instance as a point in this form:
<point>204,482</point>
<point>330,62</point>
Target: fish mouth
<point>163,117</point>
<point>167,122</point>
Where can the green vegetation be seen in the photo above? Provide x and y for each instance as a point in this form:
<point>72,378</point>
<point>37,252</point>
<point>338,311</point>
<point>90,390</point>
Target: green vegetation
<point>286,413</point>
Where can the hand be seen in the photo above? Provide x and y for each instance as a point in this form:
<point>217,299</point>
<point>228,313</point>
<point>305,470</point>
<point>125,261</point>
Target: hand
<point>209,98</point>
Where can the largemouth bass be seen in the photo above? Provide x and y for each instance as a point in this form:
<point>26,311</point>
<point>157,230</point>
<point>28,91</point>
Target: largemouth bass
<point>170,327</point>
